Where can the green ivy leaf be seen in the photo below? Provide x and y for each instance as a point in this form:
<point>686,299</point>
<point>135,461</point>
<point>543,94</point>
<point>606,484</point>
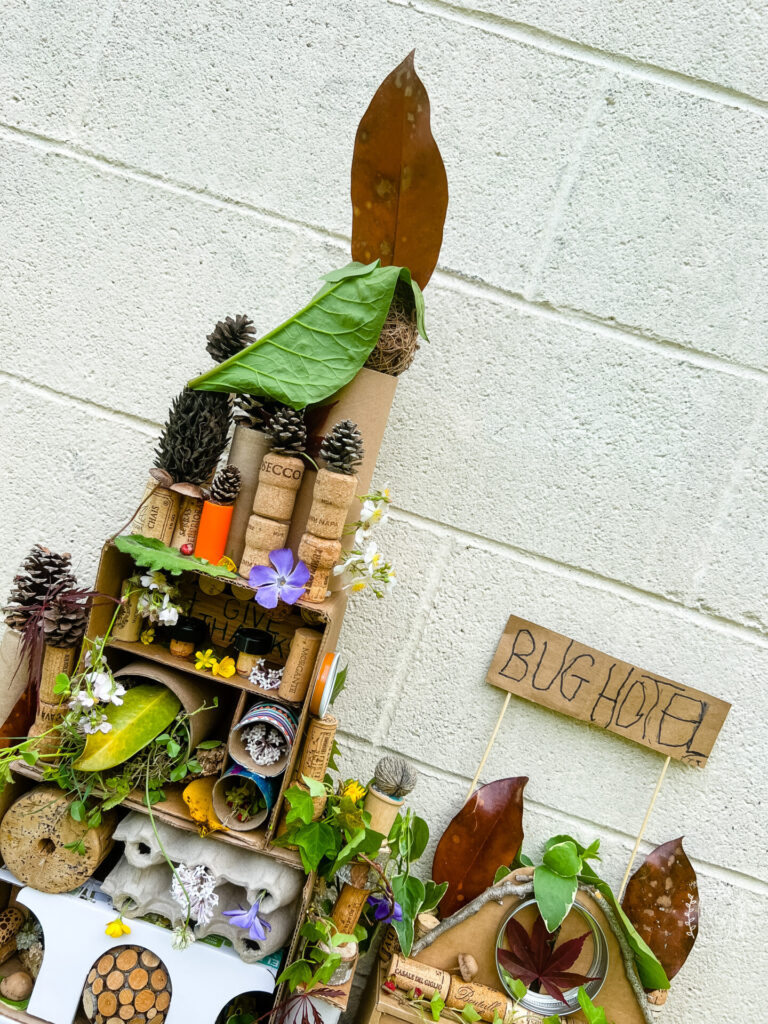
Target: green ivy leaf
<point>314,841</point>
<point>436,1006</point>
<point>409,893</point>
<point>315,787</point>
<point>470,1014</point>
<point>501,872</point>
<point>594,1014</point>
<point>563,858</point>
<point>554,895</point>
<point>433,893</point>
<point>301,806</point>
<point>419,838</point>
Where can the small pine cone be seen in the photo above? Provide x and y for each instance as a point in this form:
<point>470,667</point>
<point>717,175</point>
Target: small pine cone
<point>253,411</point>
<point>225,487</point>
<point>64,623</point>
<point>342,449</point>
<point>230,337</point>
<point>41,572</point>
<point>287,430</point>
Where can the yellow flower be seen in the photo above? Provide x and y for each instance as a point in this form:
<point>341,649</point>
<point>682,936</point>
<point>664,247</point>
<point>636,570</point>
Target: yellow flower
<point>148,636</point>
<point>227,563</point>
<point>115,929</point>
<point>225,667</point>
<point>204,659</point>
<point>354,790</point>
<point>358,585</point>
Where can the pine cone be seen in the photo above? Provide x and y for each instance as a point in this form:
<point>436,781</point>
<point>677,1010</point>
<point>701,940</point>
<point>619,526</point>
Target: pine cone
<point>342,449</point>
<point>64,623</point>
<point>230,337</point>
<point>287,430</point>
<point>41,571</point>
<point>254,411</point>
<point>225,487</point>
<point>194,435</point>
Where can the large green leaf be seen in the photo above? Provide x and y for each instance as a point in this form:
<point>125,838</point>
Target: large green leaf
<point>322,347</point>
<point>410,894</point>
<point>152,554</point>
<point>554,895</point>
<point>146,711</point>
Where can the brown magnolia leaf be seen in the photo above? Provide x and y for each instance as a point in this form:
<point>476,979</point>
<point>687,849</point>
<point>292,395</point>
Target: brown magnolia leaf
<point>486,833</point>
<point>399,187</point>
<point>662,902</point>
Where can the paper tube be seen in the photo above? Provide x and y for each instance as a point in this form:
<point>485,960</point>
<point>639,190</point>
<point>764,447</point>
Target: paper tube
<point>263,536</point>
<point>267,787</point>
<point>297,673</point>
<point>213,531</point>
<point>319,556</point>
<point>318,746</point>
<point>128,623</point>
<point>247,450</point>
<point>487,1001</point>
<point>17,706</point>
<point>331,498</point>
<point>188,521</point>
<point>408,974</point>
<point>157,516</point>
<point>55,660</point>
<point>268,714</point>
<point>279,480</point>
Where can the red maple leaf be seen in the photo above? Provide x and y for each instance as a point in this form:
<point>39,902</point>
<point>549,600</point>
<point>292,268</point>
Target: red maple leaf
<point>535,958</point>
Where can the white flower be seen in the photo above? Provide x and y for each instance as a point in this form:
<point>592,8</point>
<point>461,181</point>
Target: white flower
<point>101,684</point>
<point>154,581</point>
<point>374,513</point>
<point>91,725</point>
<point>81,700</point>
<point>183,937</point>
<point>167,614</point>
<point>370,553</point>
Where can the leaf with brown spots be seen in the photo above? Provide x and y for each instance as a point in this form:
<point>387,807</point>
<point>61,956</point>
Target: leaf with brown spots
<point>662,902</point>
<point>486,833</point>
<point>399,187</point>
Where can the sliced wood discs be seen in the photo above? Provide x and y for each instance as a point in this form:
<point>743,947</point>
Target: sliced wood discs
<point>107,1003</point>
<point>127,960</point>
<point>163,1001</point>
<point>129,986</point>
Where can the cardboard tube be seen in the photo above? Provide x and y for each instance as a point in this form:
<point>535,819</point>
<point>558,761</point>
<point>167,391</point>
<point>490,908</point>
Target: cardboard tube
<point>263,536</point>
<point>247,450</point>
<point>488,1002</point>
<point>128,622</point>
<point>279,480</point>
<point>188,521</point>
<point>297,673</point>
<point>319,555</point>
<point>213,531</point>
<point>55,660</point>
<point>266,787</point>
<point>157,517</point>
<point>318,746</point>
<point>17,705</point>
<point>408,974</point>
<point>331,498</point>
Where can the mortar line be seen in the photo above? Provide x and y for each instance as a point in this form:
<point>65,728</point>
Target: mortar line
<point>739,879</point>
<point>455,280</point>
<point>570,49</point>
<point>565,187</point>
<point>593,579</point>
<point>95,53</point>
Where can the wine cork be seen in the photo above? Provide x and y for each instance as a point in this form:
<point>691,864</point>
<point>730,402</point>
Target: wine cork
<point>127,625</point>
<point>305,643</point>
<point>55,660</point>
<point>383,810</point>
<point>263,536</point>
<point>279,480</point>
<point>488,1002</point>
<point>348,908</point>
<point>318,747</point>
<point>157,516</point>
<point>319,555</point>
<point>188,521</point>
<point>331,498</point>
<point>408,974</point>
<point>48,715</point>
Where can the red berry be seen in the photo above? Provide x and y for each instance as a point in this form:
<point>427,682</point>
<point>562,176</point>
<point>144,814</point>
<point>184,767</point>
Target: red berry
<point>186,549</point>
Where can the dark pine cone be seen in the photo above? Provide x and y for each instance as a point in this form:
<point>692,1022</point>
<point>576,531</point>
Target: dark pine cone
<point>254,411</point>
<point>64,623</point>
<point>229,337</point>
<point>225,487</point>
<point>287,430</point>
<point>41,572</point>
<point>194,435</point>
<point>342,449</point>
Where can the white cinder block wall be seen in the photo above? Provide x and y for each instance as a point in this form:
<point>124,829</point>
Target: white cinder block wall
<point>583,442</point>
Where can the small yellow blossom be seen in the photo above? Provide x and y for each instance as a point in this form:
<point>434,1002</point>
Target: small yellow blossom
<point>358,585</point>
<point>204,659</point>
<point>354,791</point>
<point>148,636</point>
<point>115,929</point>
<point>225,667</point>
<point>227,563</point>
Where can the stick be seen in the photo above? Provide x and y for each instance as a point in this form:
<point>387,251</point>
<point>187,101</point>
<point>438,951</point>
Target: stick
<point>642,828</point>
<point>491,741</point>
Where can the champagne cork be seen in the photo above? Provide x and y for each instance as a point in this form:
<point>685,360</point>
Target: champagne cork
<point>488,1002</point>
<point>331,498</point>
<point>127,625</point>
<point>157,516</point>
<point>188,521</point>
<point>408,974</point>
<point>319,555</point>
<point>263,536</point>
<point>55,660</point>
<point>297,673</point>
<point>279,480</point>
<point>318,747</point>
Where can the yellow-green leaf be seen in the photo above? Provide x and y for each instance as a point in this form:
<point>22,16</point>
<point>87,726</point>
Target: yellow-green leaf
<point>145,712</point>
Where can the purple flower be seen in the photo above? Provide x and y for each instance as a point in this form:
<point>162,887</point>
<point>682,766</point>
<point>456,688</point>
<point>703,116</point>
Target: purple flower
<point>384,911</point>
<point>250,921</point>
<point>283,583</point>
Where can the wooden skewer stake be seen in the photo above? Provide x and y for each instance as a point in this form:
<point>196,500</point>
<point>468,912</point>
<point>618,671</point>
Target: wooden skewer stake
<point>491,741</point>
<point>646,819</point>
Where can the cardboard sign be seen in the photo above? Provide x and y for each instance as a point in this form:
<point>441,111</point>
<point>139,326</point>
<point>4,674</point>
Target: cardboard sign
<point>578,681</point>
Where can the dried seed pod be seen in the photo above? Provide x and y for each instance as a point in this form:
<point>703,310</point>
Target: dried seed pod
<point>394,776</point>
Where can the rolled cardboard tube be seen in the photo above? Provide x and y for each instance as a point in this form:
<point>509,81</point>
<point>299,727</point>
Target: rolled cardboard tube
<point>247,450</point>
<point>318,746</point>
<point>319,555</point>
<point>158,513</point>
<point>279,480</point>
<point>268,714</point>
<point>332,495</point>
<point>305,643</point>
<point>267,788</point>
<point>408,974</point>
<point>190,511</point>
<point>128,623</point>
<point>263,536</point>
<point>213,531</point>
<point>55,660</point>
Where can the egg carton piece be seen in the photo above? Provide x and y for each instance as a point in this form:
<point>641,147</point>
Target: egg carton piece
<point>282,922</point>
<point>254,872</point>
<point>136,892</point>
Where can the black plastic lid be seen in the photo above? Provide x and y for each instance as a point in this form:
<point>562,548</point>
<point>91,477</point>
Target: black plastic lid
<point>188,629</point>
<point>253,641</point>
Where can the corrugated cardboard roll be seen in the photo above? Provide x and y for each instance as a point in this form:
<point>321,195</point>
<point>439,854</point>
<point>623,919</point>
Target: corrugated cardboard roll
<point>17,704</point>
